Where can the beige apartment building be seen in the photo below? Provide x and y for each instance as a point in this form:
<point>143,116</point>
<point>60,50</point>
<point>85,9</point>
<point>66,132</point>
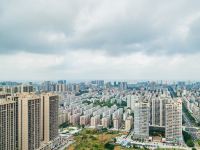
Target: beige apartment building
<point>36,119</point>
<point>75,119</point>
<point>29,118</point>
<point>62,116</point>
<point>128,123</point>
<point>173,127</point>
<point>95,121</point>
<point>117,122</point>
<point>49,116</point>
<point>105,122</point>
<point>84,120</point>
<point>7,125</point>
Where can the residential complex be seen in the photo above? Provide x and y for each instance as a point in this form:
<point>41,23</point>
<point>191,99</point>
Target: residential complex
<point>34,117</point>
<point>29,120</point>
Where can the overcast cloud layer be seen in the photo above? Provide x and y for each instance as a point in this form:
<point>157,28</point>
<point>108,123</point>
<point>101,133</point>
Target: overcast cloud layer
<point>99,39</point>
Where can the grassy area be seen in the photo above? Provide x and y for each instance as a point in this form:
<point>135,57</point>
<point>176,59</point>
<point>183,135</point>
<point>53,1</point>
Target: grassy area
<point>89,139</point>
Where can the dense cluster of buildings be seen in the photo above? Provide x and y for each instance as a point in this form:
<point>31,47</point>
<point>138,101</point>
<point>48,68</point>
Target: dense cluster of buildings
<point>144,108</point>
<point>158,109</point>
<point>33,112</point>
<point>79,112</point>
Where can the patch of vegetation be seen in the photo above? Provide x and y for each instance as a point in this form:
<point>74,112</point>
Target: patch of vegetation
<point>157,131</point>
<point>123,104</point>
<point>188,139</point>
<point>198,142</point>
<point>109,146</point>
<point>132,114</point>
<point>87,102</point>
<point>104,129</point>
<point>103,103</point>
<point>183,121</point>
<point>92,139</point>
<point>111,124</point>
<point>64,125</point>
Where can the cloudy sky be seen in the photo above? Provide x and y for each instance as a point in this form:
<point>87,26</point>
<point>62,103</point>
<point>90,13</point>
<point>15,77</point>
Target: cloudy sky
<point>99,39</point>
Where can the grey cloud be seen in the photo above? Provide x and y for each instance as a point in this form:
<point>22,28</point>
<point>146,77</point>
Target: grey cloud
<point>116,26</point>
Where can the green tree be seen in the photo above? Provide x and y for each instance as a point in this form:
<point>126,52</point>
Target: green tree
<point>199,142</point>
<point>109,146</point>
<point>190,143</point>
<point>188,139</point>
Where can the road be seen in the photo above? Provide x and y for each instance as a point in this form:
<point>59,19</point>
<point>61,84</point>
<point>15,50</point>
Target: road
<point>66,145</point>
<point>173,94</point>
<point>160,145</point>
<point>187,120</point>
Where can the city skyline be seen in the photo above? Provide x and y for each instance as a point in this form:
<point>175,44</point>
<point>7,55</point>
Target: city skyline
<point>118,40</point>
<point>99,74</point>
<point>52,115</point>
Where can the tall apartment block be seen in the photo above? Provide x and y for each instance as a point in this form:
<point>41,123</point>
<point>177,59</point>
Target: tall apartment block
<point>36,119</point>
<point>173,127</point>
<point>49,117</point>
<point>62,116</point>
<point>131,100</point>
<point>84,120</point>
<point>7,125</point>
<point>75,119</point>
<point>117,122</point>
<point>157,110</point>
<point>29,118</point>
<point>105,121</point>
<point>95,121</point>
<point>128,123</point>
<point>141,120</point>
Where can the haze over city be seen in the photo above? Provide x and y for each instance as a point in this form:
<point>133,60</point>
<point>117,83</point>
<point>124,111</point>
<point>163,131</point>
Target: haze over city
<point>115,39</point>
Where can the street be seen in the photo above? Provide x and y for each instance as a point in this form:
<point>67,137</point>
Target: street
<point>65,145</point>
<point>187,120</point>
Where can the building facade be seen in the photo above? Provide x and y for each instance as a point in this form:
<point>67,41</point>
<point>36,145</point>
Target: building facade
<point>7,125</point>
<point>173,127</point>
<point>141,120</point>
<point>49,117</point>
<point>128,123</point>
